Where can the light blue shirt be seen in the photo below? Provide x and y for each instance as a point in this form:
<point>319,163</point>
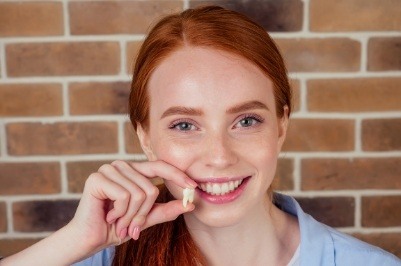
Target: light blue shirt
<point>320,245</point>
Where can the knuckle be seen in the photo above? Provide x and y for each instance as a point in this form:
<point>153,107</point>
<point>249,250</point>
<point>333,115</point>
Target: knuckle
<point>153,192</point>
<point>139,196</point>
<point>118,163</point>
<point>92,178</point>
<point>105,168</point>
<point>124,195</point>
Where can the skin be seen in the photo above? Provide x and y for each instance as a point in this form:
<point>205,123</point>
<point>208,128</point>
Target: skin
<point>226,137</point>
<point>202,123</point>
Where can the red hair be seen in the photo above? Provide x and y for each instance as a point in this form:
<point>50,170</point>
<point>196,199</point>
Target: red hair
<point>210,26</point>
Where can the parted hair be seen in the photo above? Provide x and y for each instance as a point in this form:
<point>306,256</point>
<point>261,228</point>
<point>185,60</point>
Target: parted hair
<point>213,27</point>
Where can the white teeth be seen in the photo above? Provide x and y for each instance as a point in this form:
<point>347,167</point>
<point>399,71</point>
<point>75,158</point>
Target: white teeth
<point>216,189</point>
<point>220,188</point>
<point>188,195</point>
<point>231,185</point>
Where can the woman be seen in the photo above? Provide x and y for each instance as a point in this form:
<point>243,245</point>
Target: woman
<point>210,102</point>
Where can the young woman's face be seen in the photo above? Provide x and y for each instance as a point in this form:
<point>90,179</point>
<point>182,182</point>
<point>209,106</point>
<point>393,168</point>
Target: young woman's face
<point>212,115</point>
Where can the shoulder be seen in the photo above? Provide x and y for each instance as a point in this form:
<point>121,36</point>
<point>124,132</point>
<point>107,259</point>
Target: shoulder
<point>351,250</point>
<point>102,258</point>
<point>323,245</point>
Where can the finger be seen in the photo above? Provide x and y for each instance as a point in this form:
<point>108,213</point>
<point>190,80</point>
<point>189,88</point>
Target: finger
<point>102,188</point>
<point>149,189</point>
<point>164,170</point>
<point>164,212</point>
<point>136,199</point>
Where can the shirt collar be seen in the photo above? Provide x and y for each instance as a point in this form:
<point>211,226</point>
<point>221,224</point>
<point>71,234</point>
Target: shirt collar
<point>317,247</point>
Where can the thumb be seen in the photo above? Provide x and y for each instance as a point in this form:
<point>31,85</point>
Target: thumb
<point>164,212</point>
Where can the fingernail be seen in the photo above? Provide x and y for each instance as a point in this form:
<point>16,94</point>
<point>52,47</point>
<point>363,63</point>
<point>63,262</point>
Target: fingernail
<point>123,233</point>
<point>192,183</point>
<point>135,234</point>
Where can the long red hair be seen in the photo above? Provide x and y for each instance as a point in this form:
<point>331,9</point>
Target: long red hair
<point>209,26</point>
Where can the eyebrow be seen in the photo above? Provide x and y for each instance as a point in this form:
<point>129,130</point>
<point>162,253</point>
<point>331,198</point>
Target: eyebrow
<point>251,105</point>
<point>181,110</point>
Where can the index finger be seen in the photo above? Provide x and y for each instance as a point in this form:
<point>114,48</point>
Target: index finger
<point>164,170</point>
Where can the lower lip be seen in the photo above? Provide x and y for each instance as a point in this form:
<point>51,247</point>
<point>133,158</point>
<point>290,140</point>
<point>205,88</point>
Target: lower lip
<point>226,198</point>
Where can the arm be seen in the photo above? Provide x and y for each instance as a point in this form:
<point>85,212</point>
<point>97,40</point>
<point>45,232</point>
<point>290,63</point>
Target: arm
<point>117,203</point>
<point>63,247</point>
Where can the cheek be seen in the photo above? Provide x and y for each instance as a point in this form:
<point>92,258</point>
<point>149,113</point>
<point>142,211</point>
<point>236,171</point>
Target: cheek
<point>175,154</point>
<point>179,156</point>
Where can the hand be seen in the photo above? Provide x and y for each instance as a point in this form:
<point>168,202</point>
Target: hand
<point>119,200</point>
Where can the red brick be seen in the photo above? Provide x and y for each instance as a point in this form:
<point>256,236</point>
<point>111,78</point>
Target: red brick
<point>320,135</point>
<point>355,15</point>
<point>30,99</point>
<point>61,138</point>
<point>359,173</point>
<point>284,179</point>
<point>387,241</point>
<point>10,246</point>
<point>354,95</point>
<point>381,134</point>
<point>117,17</point>
<point>321,55</point>
<point>381,211</point>
<point>99,98</point>
<point>132,144</point>
<point>272,15</point>
<point>333,211</point>
<point>30,178</point>
<point>132,50</point>
<point>31,19</point>
<point>39,216</point>
<point>384,54</point>
<point>78,172</point>
<point>296,94</point>
<point>63,59</point>
<point>3,218</point>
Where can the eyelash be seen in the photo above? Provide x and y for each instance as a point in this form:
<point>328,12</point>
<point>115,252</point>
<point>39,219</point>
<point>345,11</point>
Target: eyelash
<point>180,121</point>
<point>257,118</point>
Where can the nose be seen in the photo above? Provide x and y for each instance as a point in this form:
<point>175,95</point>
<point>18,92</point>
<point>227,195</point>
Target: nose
<point>219,151</point>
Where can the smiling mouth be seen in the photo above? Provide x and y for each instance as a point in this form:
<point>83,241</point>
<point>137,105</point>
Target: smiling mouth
<point>220,189</point>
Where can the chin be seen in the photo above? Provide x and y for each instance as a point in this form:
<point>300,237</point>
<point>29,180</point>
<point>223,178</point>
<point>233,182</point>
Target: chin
<point>215,218</point>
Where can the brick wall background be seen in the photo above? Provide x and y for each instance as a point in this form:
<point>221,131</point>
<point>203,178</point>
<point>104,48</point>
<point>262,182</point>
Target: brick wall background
<point>64,80</point>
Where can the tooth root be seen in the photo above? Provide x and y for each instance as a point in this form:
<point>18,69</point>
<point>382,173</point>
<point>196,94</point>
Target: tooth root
<point>191,195</point>
<point>185,197</point>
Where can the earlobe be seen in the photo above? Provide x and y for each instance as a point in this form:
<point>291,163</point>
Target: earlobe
<point>144,140</point>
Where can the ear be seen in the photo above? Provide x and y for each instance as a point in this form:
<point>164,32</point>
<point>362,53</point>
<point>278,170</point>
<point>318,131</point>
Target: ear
<point>282,124</point>
<point>144,140</point>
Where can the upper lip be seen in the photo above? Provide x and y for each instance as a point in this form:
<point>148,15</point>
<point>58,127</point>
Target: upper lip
<point>218,179</point>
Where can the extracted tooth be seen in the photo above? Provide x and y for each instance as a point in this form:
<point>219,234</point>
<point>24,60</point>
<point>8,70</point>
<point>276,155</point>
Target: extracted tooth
<point>191,195</point>
<point>185,197</point>
<point>188,195</point>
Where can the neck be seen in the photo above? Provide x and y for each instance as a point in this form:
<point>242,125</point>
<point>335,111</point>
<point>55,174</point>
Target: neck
<point>268,236</point>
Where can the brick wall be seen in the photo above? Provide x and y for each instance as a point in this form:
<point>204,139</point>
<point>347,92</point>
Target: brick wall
<point>65,70</point>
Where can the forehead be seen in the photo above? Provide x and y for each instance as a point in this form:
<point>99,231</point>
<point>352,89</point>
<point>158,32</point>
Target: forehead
<point>204,76</point>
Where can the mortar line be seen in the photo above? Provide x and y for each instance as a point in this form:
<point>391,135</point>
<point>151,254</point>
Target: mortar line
<point>63,177</point>
<point>306,18</point>
<point>3,61</point>
<point>358,212</point>
<point>66,19</point>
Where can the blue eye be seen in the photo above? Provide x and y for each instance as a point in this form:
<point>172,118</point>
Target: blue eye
<point>183,126</point>
<point>249,121</point>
